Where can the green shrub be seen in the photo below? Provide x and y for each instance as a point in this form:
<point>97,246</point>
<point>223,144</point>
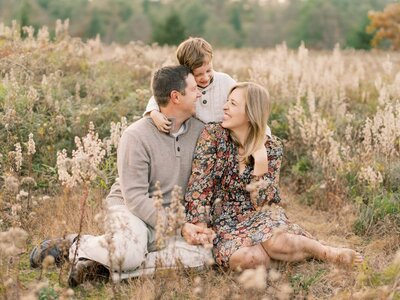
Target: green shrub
<point>381,209</point>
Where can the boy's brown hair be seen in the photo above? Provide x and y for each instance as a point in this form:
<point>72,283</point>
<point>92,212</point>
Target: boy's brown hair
<point>194,52</point>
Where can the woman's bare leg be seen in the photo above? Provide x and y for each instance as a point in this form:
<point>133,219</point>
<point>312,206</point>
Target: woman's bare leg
<point>291,247</point>
<point>249,257</point>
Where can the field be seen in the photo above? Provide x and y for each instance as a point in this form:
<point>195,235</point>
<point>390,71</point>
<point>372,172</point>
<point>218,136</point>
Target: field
<point>64,104</point>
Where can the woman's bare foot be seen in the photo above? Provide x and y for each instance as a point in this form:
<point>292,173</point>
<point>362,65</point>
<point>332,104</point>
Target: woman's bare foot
<point>344,256</point>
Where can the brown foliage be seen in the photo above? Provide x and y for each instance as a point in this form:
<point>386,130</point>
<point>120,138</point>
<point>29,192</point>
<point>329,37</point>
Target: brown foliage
<point>386,25</point>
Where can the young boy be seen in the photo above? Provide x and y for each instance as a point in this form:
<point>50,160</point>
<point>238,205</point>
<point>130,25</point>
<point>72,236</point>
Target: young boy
<point>196,54</point>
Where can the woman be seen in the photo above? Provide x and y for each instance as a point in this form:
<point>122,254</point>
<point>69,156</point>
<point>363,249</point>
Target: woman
<point>231,160</point>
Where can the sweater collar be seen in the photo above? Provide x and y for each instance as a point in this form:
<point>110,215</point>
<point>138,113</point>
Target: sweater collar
<point>182,130</point>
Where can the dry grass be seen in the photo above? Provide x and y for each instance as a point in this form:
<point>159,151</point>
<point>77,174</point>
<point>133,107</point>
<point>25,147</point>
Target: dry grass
<point>311,279</point>
<point>343,165</point>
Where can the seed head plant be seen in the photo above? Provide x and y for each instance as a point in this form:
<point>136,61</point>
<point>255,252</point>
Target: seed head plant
<point>337,112</point>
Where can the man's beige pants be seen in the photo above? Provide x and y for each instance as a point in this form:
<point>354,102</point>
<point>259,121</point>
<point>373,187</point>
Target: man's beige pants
<point>127,247</point>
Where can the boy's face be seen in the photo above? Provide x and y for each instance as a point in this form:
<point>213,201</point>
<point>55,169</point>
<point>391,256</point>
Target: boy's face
<point>204,74</point>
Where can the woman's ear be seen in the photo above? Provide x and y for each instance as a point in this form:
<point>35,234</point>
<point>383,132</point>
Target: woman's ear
<point>174,97</point>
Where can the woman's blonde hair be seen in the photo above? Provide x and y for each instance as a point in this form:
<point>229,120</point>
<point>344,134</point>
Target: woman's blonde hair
<point>257,108</point>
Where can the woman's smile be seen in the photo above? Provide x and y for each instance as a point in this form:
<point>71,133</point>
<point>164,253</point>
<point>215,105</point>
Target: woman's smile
<point>226,116</point>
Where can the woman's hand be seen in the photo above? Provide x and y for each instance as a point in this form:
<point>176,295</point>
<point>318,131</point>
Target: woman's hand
<point>260,160</point>
<point>197,234</point>
<point>161,121</point>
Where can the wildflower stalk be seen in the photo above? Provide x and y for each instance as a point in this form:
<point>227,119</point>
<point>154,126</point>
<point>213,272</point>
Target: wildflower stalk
<point>160,226</point>
<point>31,151</point>
<point>83,201</point>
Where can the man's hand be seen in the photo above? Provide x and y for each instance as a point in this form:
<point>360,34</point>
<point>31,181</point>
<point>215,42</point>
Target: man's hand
<point>161,121</point>
<point>197,234</point>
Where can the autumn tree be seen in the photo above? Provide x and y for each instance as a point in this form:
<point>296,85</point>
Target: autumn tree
<point>385,25</point>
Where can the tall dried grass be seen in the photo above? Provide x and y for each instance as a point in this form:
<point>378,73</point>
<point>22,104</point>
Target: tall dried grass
<point>338,112</point>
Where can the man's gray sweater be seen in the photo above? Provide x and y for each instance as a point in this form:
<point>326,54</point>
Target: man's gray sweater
<point>145,156</point>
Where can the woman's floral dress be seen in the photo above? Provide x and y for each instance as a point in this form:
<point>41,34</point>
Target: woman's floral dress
<point>217,194</point>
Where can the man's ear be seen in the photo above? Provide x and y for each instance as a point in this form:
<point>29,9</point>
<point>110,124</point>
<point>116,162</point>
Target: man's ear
<point>174,97</point>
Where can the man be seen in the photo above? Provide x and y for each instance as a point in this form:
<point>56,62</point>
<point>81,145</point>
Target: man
<point>145,156</point>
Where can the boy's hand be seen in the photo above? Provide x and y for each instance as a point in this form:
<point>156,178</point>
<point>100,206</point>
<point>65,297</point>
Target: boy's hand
<point>197,235</point>
<point>161,121</point>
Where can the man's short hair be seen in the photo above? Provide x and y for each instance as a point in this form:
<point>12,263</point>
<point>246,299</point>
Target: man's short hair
<point>168,79</point>
<point>194,52</point>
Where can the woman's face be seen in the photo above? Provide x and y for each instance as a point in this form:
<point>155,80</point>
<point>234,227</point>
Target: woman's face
<point>234,111</point>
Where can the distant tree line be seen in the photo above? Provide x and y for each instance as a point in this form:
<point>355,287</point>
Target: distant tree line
<point>235,23</point>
